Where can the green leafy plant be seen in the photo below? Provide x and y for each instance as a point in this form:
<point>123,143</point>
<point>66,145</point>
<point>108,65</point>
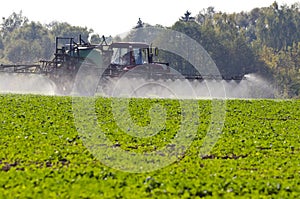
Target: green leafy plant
<point>43,156</point>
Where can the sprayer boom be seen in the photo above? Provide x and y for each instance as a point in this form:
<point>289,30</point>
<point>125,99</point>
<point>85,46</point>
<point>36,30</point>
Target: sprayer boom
<point>20,68</point>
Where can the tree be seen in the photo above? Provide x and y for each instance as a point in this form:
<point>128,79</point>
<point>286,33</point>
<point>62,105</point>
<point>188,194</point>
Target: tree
<point>66,30</point>
<point>22,51</point>
<point>187,17</point>
<point>34,34</point>
<point>14,21</point>
<point>95,39</point>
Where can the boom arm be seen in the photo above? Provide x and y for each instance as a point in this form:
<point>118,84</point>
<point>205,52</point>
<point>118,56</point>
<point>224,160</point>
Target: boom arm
<point>21,68</point>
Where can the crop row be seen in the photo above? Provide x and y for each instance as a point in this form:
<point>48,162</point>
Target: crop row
<point>44,154</point>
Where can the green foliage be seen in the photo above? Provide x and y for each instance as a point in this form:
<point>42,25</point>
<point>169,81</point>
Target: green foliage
<point>22,41</point>
<point>13,22</point>
<point>232,55</point>
<point>96,39</point>
<point>283,22</point>
<point>43,156</point>
<point>67,30</point>
<point>264,40</point>
<point>22,51</point>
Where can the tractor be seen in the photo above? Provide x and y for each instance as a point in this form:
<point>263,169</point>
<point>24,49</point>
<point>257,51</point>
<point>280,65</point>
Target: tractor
<point>116,59</point>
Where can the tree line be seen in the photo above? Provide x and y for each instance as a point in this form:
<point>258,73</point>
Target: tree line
<point>264,41</point>
<point>24,41</point>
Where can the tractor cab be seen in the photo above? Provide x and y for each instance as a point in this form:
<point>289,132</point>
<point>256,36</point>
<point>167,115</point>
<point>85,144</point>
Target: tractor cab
<point>130,53</point>
<point>136,57</point>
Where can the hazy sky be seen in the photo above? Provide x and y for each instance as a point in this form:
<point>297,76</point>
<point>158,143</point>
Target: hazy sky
<point>113,17</point>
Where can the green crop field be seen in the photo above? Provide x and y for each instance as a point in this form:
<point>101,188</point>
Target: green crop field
<point>43,155</point>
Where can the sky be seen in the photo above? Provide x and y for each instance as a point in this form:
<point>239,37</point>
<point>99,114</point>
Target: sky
<point>113,17</point>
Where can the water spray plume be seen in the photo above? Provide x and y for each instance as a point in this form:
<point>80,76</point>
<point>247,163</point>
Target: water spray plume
<point>248,88</point>
<point>26,84</point>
